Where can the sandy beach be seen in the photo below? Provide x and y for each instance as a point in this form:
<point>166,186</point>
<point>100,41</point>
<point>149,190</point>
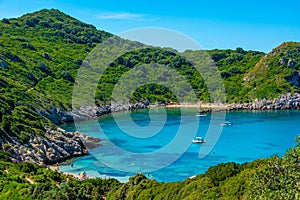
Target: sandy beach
<point>77,176</point>
<point>203,106</point>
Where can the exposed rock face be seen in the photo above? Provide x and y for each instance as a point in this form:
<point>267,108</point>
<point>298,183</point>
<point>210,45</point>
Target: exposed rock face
<point>56,146</point>
<point>57,116</point>
<point>88,112</point>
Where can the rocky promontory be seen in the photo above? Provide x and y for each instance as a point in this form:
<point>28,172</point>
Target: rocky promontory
<point>56,145</point>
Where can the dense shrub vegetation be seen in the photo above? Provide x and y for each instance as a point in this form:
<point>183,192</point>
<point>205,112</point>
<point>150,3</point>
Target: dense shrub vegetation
<point>39,57</point>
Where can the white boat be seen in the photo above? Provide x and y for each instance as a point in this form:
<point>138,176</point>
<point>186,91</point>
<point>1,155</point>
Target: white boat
<point>226,124</point>
<point>198,140</point>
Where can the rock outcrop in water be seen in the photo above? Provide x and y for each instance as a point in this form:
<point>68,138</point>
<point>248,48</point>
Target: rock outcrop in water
<point>56,145</point>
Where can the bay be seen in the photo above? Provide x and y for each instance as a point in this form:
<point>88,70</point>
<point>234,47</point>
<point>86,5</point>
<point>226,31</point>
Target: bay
<point>253,135</point>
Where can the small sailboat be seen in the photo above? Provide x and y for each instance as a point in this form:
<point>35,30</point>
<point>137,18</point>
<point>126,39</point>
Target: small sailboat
<point>198,140</point>
<point>226,124</point>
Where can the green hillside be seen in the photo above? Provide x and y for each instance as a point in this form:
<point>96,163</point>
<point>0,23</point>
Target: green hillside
<point>42,52</point>
<point>233,65</point>
<point>39,57</point>
<point>276,73</point>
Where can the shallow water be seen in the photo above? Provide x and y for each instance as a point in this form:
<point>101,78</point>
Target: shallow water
<point>254,134</point>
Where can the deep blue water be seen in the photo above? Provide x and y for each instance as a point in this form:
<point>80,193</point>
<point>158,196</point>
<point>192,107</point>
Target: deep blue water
<point>254,134</point>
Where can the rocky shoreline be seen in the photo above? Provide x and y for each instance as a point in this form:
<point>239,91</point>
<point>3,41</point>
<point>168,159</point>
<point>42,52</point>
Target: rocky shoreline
<point>85,113</point>
<point>283,102</point>
<point>57,145</point>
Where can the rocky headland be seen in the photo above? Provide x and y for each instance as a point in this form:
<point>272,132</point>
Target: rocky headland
<point>56,145</point>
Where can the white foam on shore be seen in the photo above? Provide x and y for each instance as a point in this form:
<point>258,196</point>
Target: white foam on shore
<point>91,174</point>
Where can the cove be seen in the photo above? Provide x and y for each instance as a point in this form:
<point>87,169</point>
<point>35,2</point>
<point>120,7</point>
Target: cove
<point>253,135</point>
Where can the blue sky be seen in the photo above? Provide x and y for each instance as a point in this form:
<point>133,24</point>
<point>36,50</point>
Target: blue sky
<point>255,25</point>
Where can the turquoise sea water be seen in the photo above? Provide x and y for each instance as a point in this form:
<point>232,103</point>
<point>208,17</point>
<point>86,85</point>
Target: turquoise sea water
<point>254,134</point>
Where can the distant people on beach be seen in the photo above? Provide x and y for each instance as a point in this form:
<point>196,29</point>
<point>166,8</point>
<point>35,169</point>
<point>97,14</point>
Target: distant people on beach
<point>57,166</point>
<point>82,176</point>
